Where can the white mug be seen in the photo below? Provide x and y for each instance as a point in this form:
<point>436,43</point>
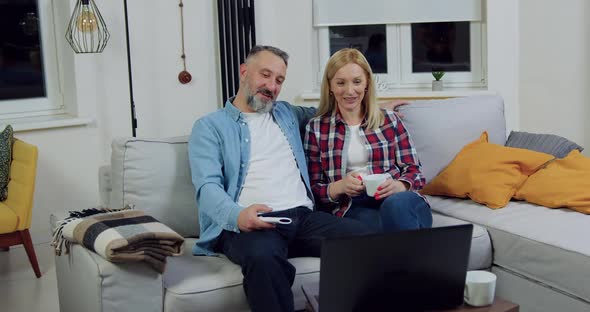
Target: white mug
<point>480,287</point>
<point>372,182</point>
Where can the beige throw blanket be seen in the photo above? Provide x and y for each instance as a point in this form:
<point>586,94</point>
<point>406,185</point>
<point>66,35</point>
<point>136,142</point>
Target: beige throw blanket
<point>120,236</point>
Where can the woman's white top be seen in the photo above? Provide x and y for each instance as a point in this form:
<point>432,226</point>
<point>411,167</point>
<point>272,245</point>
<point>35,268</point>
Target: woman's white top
<point>357,157</point>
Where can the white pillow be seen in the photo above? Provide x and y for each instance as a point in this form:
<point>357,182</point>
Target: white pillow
<point>440,128</point>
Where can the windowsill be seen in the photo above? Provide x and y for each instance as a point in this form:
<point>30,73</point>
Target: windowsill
<point>45,122</point>
<point>414,94</point>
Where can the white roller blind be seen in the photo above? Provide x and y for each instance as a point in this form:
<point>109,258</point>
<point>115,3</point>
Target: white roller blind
<point>364,12</point>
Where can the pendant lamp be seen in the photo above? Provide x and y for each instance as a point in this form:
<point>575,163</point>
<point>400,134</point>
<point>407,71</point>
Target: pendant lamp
<point>87,32</point>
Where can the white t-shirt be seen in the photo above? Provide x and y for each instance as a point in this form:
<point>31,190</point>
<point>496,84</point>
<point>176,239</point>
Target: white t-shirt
<point>273,178</point>
<point>357,156</point>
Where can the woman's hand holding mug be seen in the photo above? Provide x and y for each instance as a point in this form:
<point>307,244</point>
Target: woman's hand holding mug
<point>351,185</point>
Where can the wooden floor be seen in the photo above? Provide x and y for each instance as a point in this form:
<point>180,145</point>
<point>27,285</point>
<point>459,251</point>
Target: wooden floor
<point>21,290</point>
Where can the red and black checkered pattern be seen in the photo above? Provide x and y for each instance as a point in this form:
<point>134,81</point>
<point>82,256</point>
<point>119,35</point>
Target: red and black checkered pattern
<point>390,151</point>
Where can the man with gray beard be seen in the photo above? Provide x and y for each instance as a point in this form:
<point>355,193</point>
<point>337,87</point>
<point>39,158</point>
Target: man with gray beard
<point>247,159</point>
<point>257,104</point>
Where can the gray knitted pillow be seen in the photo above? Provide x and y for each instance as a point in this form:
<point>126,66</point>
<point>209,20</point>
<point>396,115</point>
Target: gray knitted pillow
<point>5,159</point>
<point>544,143</point>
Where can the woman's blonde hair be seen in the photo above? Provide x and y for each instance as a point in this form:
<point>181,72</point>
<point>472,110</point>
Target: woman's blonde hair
<point>328,104</point>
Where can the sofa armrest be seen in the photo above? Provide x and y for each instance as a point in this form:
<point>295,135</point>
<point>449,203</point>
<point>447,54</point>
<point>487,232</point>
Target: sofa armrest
<point>104,185</point>
<point>87,282</point>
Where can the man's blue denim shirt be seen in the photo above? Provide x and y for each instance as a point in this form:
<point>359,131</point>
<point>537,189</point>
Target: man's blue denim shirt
<point>219,154</point>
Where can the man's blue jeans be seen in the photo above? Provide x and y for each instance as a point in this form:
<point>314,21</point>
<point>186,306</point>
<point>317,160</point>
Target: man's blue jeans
<point>397,212</point>
<point>263,255</point>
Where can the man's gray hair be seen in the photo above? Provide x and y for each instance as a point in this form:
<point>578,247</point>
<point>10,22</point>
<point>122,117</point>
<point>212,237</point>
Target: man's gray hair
<point>276,51</point>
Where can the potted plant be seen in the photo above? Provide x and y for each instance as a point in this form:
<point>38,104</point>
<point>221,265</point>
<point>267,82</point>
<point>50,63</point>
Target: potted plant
<point>437,84</point>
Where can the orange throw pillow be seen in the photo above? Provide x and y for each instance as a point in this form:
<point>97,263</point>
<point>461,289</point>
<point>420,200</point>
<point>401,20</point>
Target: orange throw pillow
<point>563,183</point>
<point>487,173</point>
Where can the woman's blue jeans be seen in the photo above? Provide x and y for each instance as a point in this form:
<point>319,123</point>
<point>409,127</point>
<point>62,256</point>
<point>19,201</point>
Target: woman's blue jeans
<point>398,212</point>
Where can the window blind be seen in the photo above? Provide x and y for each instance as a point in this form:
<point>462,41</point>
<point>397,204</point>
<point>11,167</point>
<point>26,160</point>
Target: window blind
<point>366,12</point>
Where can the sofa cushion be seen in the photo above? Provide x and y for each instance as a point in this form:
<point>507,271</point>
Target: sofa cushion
<point>440,128</point>
<point>488,173</point>
<point>154,176</point>
<point>215,283</point>
<point>544,143</point>
<point>563,183</point>
<point>545,245</point>
<point>480,255</point>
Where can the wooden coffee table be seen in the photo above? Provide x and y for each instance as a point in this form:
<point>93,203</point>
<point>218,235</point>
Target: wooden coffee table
<point>499,305</point>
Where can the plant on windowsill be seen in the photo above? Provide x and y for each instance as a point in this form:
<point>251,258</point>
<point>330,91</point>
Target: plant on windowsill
<point>437,83</point>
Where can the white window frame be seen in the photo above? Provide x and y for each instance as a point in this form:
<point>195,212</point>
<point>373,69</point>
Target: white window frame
<point>399,61</point>
<point>53,102</point>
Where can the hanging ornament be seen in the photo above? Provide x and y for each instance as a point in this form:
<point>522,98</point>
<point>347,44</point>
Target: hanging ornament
<point>184,76</point>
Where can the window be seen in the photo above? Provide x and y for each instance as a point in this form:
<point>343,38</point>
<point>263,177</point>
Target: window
<point>441,47</point>
<point>29,80</point>
<point>369,39</point>
<point>403,56</point>
<point>21,68</point>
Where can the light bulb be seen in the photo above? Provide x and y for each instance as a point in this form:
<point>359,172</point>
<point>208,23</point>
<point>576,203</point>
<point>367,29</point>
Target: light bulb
<point>86,22</point>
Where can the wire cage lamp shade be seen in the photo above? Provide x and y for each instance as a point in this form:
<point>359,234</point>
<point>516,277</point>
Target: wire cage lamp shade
<point>87,32</point>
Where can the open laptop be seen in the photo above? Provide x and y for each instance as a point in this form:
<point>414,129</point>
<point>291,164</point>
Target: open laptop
<point>405,271</point>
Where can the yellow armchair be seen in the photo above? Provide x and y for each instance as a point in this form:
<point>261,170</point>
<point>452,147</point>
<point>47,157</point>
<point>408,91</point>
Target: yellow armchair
<point>16,211</point>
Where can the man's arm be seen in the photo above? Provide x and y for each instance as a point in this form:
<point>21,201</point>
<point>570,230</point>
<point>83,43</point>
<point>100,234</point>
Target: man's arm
<point>206,162</point>
<point>393,105</point>
<point>303,115</point>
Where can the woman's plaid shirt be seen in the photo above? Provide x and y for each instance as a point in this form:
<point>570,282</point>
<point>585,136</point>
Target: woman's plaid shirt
<point>390,150</point>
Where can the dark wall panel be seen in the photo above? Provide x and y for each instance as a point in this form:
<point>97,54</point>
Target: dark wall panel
<point>236,37</point>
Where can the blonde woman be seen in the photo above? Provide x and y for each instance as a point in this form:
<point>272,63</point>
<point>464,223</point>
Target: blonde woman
<point>351,137</point>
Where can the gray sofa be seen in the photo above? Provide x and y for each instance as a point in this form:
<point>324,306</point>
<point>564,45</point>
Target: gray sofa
<point>539,254</point>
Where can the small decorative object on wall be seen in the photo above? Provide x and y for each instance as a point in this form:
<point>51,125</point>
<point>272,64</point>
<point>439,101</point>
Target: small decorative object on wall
<point>87,32</point>
<point>184,76</point>
<point>437,83</point>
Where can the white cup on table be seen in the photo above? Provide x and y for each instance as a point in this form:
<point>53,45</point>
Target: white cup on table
<point>480,288</point>
<point>372,182</point>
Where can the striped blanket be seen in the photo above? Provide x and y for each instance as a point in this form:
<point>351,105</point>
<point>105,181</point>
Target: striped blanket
<point>122,235</point>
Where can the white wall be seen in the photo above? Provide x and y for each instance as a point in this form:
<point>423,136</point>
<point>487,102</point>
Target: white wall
<point>555,68</point>
<point>69,158</point>
<point>165,107</point>
<point>552,75</point>
<point>503,56</point>
<point>288,25</point>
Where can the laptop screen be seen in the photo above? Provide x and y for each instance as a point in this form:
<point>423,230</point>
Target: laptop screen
<point>404,271</point>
